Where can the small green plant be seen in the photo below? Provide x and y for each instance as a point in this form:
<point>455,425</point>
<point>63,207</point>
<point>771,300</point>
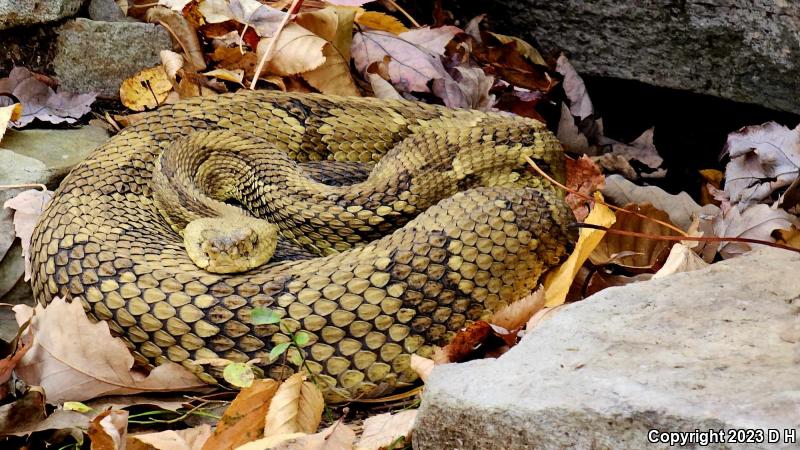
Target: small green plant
<point>264,316</point>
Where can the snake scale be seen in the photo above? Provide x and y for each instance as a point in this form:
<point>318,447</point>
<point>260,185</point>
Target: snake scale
<point>399,223</point>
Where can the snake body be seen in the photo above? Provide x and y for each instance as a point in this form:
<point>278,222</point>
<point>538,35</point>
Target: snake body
<point>399,223</point>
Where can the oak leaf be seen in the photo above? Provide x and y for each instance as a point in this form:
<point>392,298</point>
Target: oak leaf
<point>75,359</point>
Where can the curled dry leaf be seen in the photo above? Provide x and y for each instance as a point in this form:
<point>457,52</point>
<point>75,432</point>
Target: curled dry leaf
<point>467,87</point>
<point>188,439</point>
<point>147,89</point>
<point>422,366</point>
<point>523,47</point>
<point>28,206</point>
<point>636,254</point>
<point>244,419</point>
<point>580,105</point>
<point>756,221</point>
<point>297,50</point>
<point>295,408</point>
<point>465,343</point>
<point>382,88</point>
<point>182,31</point>
<point>570,135</point>
<point>681,259</point>
<point>642,149</point>
<point>75,359</point>
<point>584,176</point>
<point>109,430</point>
<point>40,101</point>
<point>557,283</point>
<point>386,429</point>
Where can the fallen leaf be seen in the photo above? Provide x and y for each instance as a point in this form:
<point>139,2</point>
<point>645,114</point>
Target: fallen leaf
<point>755,221</point>
<point>681,259</point>
<point>269,443</point>
<point>336,437</point>
<point>764,158</point>
<point>557,282</point>
<point>422,366</point>
<point>74,359</point>
<point>641,149</point>
<point>642,254</point>
<point>790,237</point>
<point>295,408</point>
<point>584,176</point>
<point>516,314</point>
<point>570,135</point>
<point>9,363</point>
<point>387,429</point>
<point>235,76</point>
<point>523,47</point>
<point>109,430</point>
<point>335,25</point>
<point>681,208</point>
<point>467,87</point>
<point>297,50</point>
<point>243,421</point>
<point>40,101</point>
<point>380,21</point>
<point>614,163</point>
<point>181,31</point>
<point>580,105</point>
<point>145,90</point>
<point>540,316</point>
<point>464,344</point>
<point>188,439</point>
<point>28,206</point>
<point>349,2</point>
<point>260,17</point>
<point>382,88</point>
<point>24,413</point>
<point>8,114</point>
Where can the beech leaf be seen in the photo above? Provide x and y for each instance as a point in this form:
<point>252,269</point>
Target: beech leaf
<point>28,206</point>
<point>295,408</point>
<point>74,359</point>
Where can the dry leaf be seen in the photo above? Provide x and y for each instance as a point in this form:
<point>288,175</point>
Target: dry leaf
<point>557,283</point>
<point>635,253</point>
<point>468,87</point>
<point>297,50</point>
<point>681,259</point>
<point>524,48</point>
<point>188,439</point>
<point>641,149</point>
<point>382,88</point>
<point>10,362</point>
<point>584,176</point>
<point>756,221</point>
<point>109,430</point>
<point>580,105</point>
<point>570,136</point>
<point>790,237</point>
<point>422,366</point>
<point>39,101</point>
<point>349,2</point>
<point>295,408</point>
<point>236,75</point>
<point>147,89</point>
<point>8,114</point>
<point>269,443</point>
<point>182,31</point>
<point>23,414</point>
<point>465,344</point>
<point>28,206</point>
<point>336,437</point>
<point>75,359</point>
<point>515,315</point>
<point>540,316</point>
<point>385,429</point>
<point>380,21</point>
<point>764,158</point>
<point>335,25</point>
<point>243,421</point>
<point>613,163</point>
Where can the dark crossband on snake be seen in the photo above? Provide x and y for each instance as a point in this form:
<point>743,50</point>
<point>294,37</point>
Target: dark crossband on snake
<point>378,227</point>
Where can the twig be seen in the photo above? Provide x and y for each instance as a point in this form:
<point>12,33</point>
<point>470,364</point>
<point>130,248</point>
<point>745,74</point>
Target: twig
<point>615,208</point>
<point>290,13</point>
<point>659,237</point>
<point>403,12</point>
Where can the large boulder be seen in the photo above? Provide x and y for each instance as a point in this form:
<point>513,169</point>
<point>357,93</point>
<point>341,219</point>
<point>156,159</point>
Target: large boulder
<point>93,56</point>
<point>14,13</point>
<point>743,50</point>
<point>717,348</point>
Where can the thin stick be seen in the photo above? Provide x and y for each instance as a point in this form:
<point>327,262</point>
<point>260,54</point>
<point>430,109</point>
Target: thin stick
<point>686,238</point>
<point>615,208</point>
<point>19,186</point>
<point>293,9</point>
<point>403,12</point>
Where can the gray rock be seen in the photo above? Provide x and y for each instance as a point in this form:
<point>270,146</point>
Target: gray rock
<point>14,13</point>
<point>96,56</point>
<point>714,348</point>
<point>743,50</point>
<point>106,11</point>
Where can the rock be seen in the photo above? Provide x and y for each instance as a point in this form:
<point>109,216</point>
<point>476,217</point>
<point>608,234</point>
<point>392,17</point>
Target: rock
<point>45,156</point>
<point>743,50</point>
<point>106,11</point>
<point>96,56</point>
<point>14,13</point>
<point>714,348</point>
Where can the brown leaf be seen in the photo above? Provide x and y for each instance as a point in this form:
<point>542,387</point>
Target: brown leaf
<point>336,437</point>
<point>386,429</point>
<point>335,25</point>
<point>298,50</point>
<point>540,316</point>
<point>380,21</point>
<point>22,414</point>
<point>643,254</point>
<point>188,439</point>
<point>28,206</point>
<point>10,362</point>
<point>523,47</point>
<point>40,101</point>
<point>467,88</point>
<point>580,105</point>
<point>790,237</point>
<point>516,314</point>
<point>756,221</point>
<point>244,419</point>
<point>182,31</point>
<point>74,359</point>
<point>584,176</point>
<point>109,430</point>
<point>296,407</point>
<point>465,343</point>
<point>147,89</point>
<point>681,259</point>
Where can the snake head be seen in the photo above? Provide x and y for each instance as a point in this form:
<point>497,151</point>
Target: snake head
<point>230,244</point>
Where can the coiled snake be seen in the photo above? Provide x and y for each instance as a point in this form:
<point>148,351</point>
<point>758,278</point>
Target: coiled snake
<point>399,223</point>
